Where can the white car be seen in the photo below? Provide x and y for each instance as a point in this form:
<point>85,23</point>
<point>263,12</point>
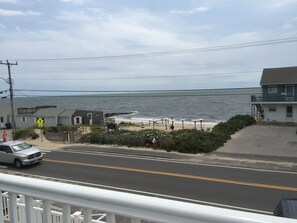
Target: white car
<point>19,153</point>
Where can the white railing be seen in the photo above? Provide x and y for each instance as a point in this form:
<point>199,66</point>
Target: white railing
<point>56,212</point>
<point>116,205</point>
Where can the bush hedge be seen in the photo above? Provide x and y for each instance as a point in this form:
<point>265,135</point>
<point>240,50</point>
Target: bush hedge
<point>26,133</point>
<point>184,141</point>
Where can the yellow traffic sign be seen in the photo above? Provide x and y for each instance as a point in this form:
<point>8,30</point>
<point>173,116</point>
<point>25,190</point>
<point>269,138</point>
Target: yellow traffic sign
<point>40,122</point>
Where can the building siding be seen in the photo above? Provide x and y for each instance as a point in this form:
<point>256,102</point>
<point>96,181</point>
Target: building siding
<point>280,114</point>
<point>280,95</point>
<point>52,118</point>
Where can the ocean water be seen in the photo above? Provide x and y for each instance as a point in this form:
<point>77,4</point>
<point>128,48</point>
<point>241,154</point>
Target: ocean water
<point>211,105</point>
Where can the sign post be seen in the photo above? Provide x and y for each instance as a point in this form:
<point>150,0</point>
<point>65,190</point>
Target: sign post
<point>40,122</point>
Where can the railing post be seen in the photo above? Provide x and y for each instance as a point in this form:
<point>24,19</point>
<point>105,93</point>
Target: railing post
<point>47,205</point>
<point>13,215</point>
<point>66,213</point>
<point>1,208</point>
<point>110,218</point>
<point>87,213</point>
<point>29,209</point>
<point>77,217</point>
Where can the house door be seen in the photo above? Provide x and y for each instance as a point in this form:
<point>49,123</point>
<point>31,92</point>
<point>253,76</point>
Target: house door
<point>289,92</point>
<point>289,112</point>
<point>77,120</point>
<point>90,118</point>
<point>2,124</point>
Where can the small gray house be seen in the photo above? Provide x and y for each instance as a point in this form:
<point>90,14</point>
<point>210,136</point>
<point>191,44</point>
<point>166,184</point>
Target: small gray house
<point>4,111</point>
<point>53,116</point>
<point>278,102</point>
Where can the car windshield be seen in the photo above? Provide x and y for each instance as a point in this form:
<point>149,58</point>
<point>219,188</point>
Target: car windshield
<point>21,146</point>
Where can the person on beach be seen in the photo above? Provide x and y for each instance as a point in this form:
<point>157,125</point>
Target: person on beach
<point>154,143</point>
<point>4,136</point>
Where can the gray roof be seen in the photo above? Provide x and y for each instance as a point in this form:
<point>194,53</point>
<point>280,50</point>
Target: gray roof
<point>282,75</point>
<point>67,113</point>
<point>5,111</point>
<point>48,112</point>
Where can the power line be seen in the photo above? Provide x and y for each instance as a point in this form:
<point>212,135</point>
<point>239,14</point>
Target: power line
<point>24,95</point>
<point>139,77</point>
<point>168,53</point>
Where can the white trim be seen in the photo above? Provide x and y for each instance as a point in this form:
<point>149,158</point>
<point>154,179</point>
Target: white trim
<point>90,116</point>
<point>24,119</point>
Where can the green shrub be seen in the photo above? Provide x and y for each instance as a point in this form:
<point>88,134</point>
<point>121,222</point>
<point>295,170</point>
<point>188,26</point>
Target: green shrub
<point>184,141</point>
<point>26,133</point>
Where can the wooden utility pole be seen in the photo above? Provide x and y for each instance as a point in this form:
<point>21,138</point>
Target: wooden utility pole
<point>8,64</point>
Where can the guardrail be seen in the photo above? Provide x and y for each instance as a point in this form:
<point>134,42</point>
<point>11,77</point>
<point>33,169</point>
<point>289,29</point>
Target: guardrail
<point>116,205</point>
<point>273,98</point>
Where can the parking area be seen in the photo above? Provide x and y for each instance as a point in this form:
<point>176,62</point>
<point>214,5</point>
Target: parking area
<point>269,140</point>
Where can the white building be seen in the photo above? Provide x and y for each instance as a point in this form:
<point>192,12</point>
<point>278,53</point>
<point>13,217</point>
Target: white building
<point>278,102</point>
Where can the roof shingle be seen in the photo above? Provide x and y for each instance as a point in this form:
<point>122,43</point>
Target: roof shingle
<point>283,75</point>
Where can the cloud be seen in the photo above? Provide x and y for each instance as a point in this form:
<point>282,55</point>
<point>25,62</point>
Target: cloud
<point>190,12</point>
<point>277,4</point>
<point>2,26</point>
<point>9,1</point>
<point>76,2</point>
<point>282,3</point>
<point>291,23</point>
<point>4,12</point>
<point>124,32</point>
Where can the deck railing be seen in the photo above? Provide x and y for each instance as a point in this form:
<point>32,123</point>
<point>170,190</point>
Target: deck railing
<point>273,98</point>
<point>58,200</point>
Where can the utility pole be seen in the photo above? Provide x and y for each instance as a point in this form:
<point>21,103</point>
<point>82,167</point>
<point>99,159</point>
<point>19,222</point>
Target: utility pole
<point>8,64</point>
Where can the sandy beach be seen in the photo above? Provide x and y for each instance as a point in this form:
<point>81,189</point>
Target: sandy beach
<point>160,125</point>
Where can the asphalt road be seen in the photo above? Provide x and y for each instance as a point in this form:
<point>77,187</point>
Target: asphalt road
<point>170,177</point>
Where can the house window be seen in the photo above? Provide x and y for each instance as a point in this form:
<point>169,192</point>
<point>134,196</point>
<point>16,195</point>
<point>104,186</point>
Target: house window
<point>272,109</point>
<point>272,89</point>
<point>77,120</point>
<point>24,119</point>
<point>1,119</point>
<point>289,111</point>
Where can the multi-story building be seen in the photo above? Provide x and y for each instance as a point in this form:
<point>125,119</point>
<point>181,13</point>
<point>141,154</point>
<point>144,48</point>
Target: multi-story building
<point>278,102</point>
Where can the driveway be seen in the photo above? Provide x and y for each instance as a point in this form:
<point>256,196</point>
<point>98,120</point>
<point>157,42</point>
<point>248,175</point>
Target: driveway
<point>269,140</point>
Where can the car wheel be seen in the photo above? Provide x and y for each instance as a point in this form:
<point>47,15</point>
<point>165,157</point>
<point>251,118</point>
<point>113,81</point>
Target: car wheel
<point>18,164</point>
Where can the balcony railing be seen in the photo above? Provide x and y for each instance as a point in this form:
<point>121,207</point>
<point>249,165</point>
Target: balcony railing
<point>57,201</point>
<point>274,98</point>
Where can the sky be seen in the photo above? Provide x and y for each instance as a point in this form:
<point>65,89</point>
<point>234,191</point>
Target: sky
<point>130,45</point>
